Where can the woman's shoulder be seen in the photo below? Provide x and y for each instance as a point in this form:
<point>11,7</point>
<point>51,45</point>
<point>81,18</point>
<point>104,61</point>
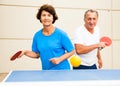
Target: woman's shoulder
<point>38,32</point>
<point>59,30</point>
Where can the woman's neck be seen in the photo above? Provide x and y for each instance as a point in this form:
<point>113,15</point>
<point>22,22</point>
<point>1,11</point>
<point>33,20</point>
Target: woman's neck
<point>48,30</point>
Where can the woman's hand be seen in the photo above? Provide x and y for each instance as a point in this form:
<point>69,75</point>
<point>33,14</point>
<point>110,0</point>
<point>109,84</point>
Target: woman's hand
<point>55,60</point>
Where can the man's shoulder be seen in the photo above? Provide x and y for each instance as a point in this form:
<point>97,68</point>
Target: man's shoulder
<point>80,28</point>
<point>96,28</point>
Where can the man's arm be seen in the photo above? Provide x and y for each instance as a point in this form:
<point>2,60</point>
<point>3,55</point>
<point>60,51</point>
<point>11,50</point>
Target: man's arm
<point>82,49</point>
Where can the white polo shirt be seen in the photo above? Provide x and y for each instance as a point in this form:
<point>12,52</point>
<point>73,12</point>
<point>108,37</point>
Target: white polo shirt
<point>83,36</point>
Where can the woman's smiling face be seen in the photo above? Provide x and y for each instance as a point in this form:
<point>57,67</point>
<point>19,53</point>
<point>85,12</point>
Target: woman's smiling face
<point>46,18</point>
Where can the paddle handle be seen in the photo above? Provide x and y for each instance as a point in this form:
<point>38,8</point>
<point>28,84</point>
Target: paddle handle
<point>100,48</point>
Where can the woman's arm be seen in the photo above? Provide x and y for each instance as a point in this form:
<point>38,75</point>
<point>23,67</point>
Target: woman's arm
<point>30,54</point>
<point>62,58</point>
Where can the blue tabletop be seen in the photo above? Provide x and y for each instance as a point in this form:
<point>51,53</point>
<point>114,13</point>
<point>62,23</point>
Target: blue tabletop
<point>62,75</point>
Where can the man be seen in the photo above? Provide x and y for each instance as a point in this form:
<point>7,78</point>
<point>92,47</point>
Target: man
<point>86,41</point>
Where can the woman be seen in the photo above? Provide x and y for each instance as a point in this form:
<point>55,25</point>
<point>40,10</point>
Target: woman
<point>51,44</point>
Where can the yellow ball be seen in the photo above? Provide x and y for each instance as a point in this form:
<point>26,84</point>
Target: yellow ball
<point>75,60</point>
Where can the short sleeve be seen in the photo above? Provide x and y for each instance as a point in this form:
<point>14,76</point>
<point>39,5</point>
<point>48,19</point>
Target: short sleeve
<point>67,43</point>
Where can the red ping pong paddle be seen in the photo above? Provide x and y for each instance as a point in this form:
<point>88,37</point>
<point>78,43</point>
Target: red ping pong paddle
<point>15,55</point>
<point>107,40</point>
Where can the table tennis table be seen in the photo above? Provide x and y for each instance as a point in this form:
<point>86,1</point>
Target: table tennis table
<point>103,77</point>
